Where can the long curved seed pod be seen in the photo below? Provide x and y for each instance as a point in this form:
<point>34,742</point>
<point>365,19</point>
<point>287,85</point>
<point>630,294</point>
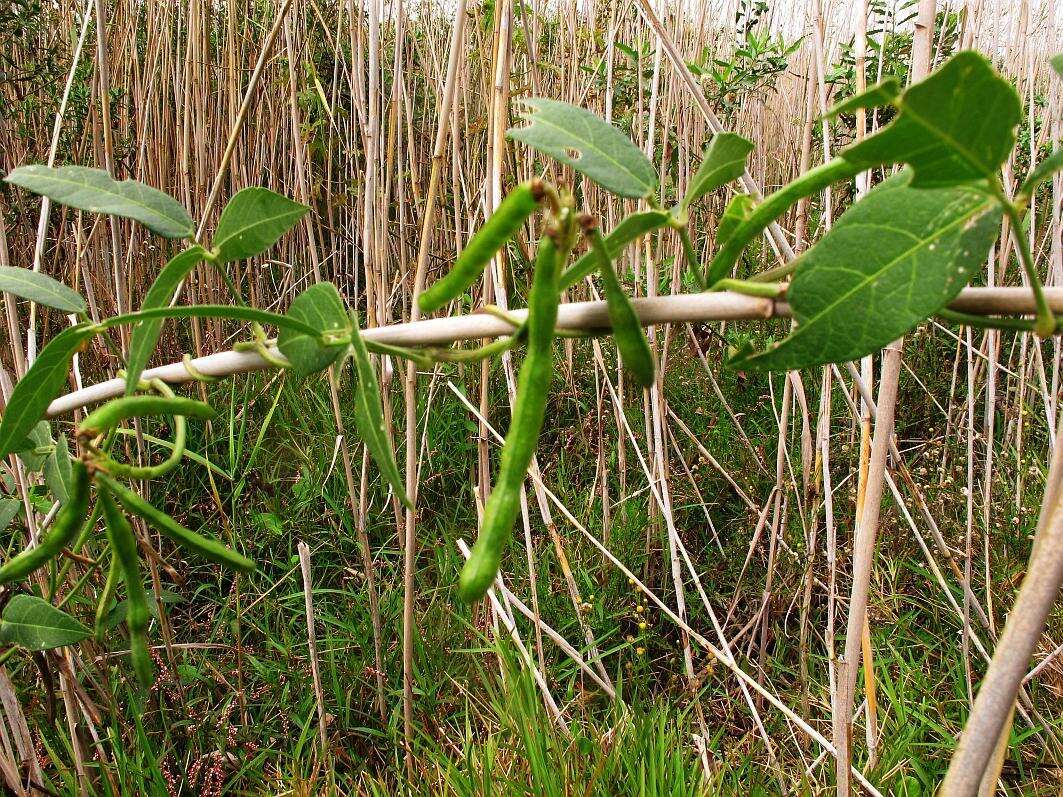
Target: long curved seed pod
<point>508,217</point>
<point>105,418</point>
<point>533,386</point>
<point>630,338</point>
<point>67,524</point>
<point>197,543</point>
<point>124,549</point>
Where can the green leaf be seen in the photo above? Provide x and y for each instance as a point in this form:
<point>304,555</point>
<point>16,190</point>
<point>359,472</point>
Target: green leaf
<point>629,229</point>
<point>955,127</point>
<point>36,448</point>
<point>120,610</point>
<point>96,191</point>
<point>9,509</point>
<point>880,94</point>
<point>589,145</point>
<point>369,418</point>
<point>894,258</point>
<point>737,211</point>
<point>1057,64</point>
<point>146,334</point>
<point>724,161</point>
<point>252,221</point>
<point>57,470</point>
<point>40,288</point>
<point>321,309</point>
<point>34,624</point>
<point>1041,172</point>
<point>42,383</point>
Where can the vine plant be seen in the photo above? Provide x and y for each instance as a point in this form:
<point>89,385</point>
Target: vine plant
<point>897,257</point>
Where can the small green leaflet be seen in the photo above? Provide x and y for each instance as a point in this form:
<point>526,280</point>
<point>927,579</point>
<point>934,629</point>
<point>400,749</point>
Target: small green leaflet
<point>320,308</point>
<point>629,229</point>
<point>40,288</point>
<point>724,161</point>
<point>369,418</point>
<point>252,221</point>
<point>9,508</point>
<point>42,383</point>
<point>36,448</point>
<point>894,258</point>
<point>146,334</point>
<point>117,615</point>
<point>57,471</point>
<point>96,191</point>
<point>1057,64</point>
<point>589,145</point>
<point>955,127</point>
<point>736,212</point>
<point>34,624</point>
<point>882,93</point>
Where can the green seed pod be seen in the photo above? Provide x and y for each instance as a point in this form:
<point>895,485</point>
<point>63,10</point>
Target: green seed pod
<point>67,523</point>
<point>630,338</point>
<point>533,386</point>
<point>124,549</point>
<point>105,418</point>
<point>508,217</point>
<point>196,543</point>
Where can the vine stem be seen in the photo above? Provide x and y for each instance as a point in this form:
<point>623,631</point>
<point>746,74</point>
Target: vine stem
<point>773,206</point>
<point>586,316</point>
<point>1046,323</point>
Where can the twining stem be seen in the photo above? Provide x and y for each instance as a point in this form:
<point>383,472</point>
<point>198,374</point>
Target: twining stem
<point>769,290</point>
<point>104,461</point>
<point>481,353</point>
<point>988,322</point>
<point>773,206</point>
<point>1045,324</point>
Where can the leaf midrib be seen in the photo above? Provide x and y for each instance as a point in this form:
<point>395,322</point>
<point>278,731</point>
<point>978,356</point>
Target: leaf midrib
<point>537,119</point>
<point>299,211</point>
<point>12,273</point>
<point>54,176</point>
<point>892,263</point>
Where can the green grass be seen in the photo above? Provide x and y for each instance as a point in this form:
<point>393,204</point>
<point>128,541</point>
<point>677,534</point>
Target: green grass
<point>237,710</point>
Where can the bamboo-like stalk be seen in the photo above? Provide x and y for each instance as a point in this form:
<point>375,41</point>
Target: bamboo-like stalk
<point>572,316</point>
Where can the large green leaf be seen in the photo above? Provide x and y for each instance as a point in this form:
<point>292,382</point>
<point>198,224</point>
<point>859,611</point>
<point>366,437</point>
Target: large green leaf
<point>588,144</point>
<point>42,383</point>
<point>146,334</point>
<point>252,221</point>
<point>957,126</point>
<point>96,191</point>
<point>894,258</point>
<point>34,624</point>
<point>320,307</point>
<point>1057,64</point>
<point>369,418</point>
<point>40,288</point>
<point>629,229</point>
<point>724,161</point>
